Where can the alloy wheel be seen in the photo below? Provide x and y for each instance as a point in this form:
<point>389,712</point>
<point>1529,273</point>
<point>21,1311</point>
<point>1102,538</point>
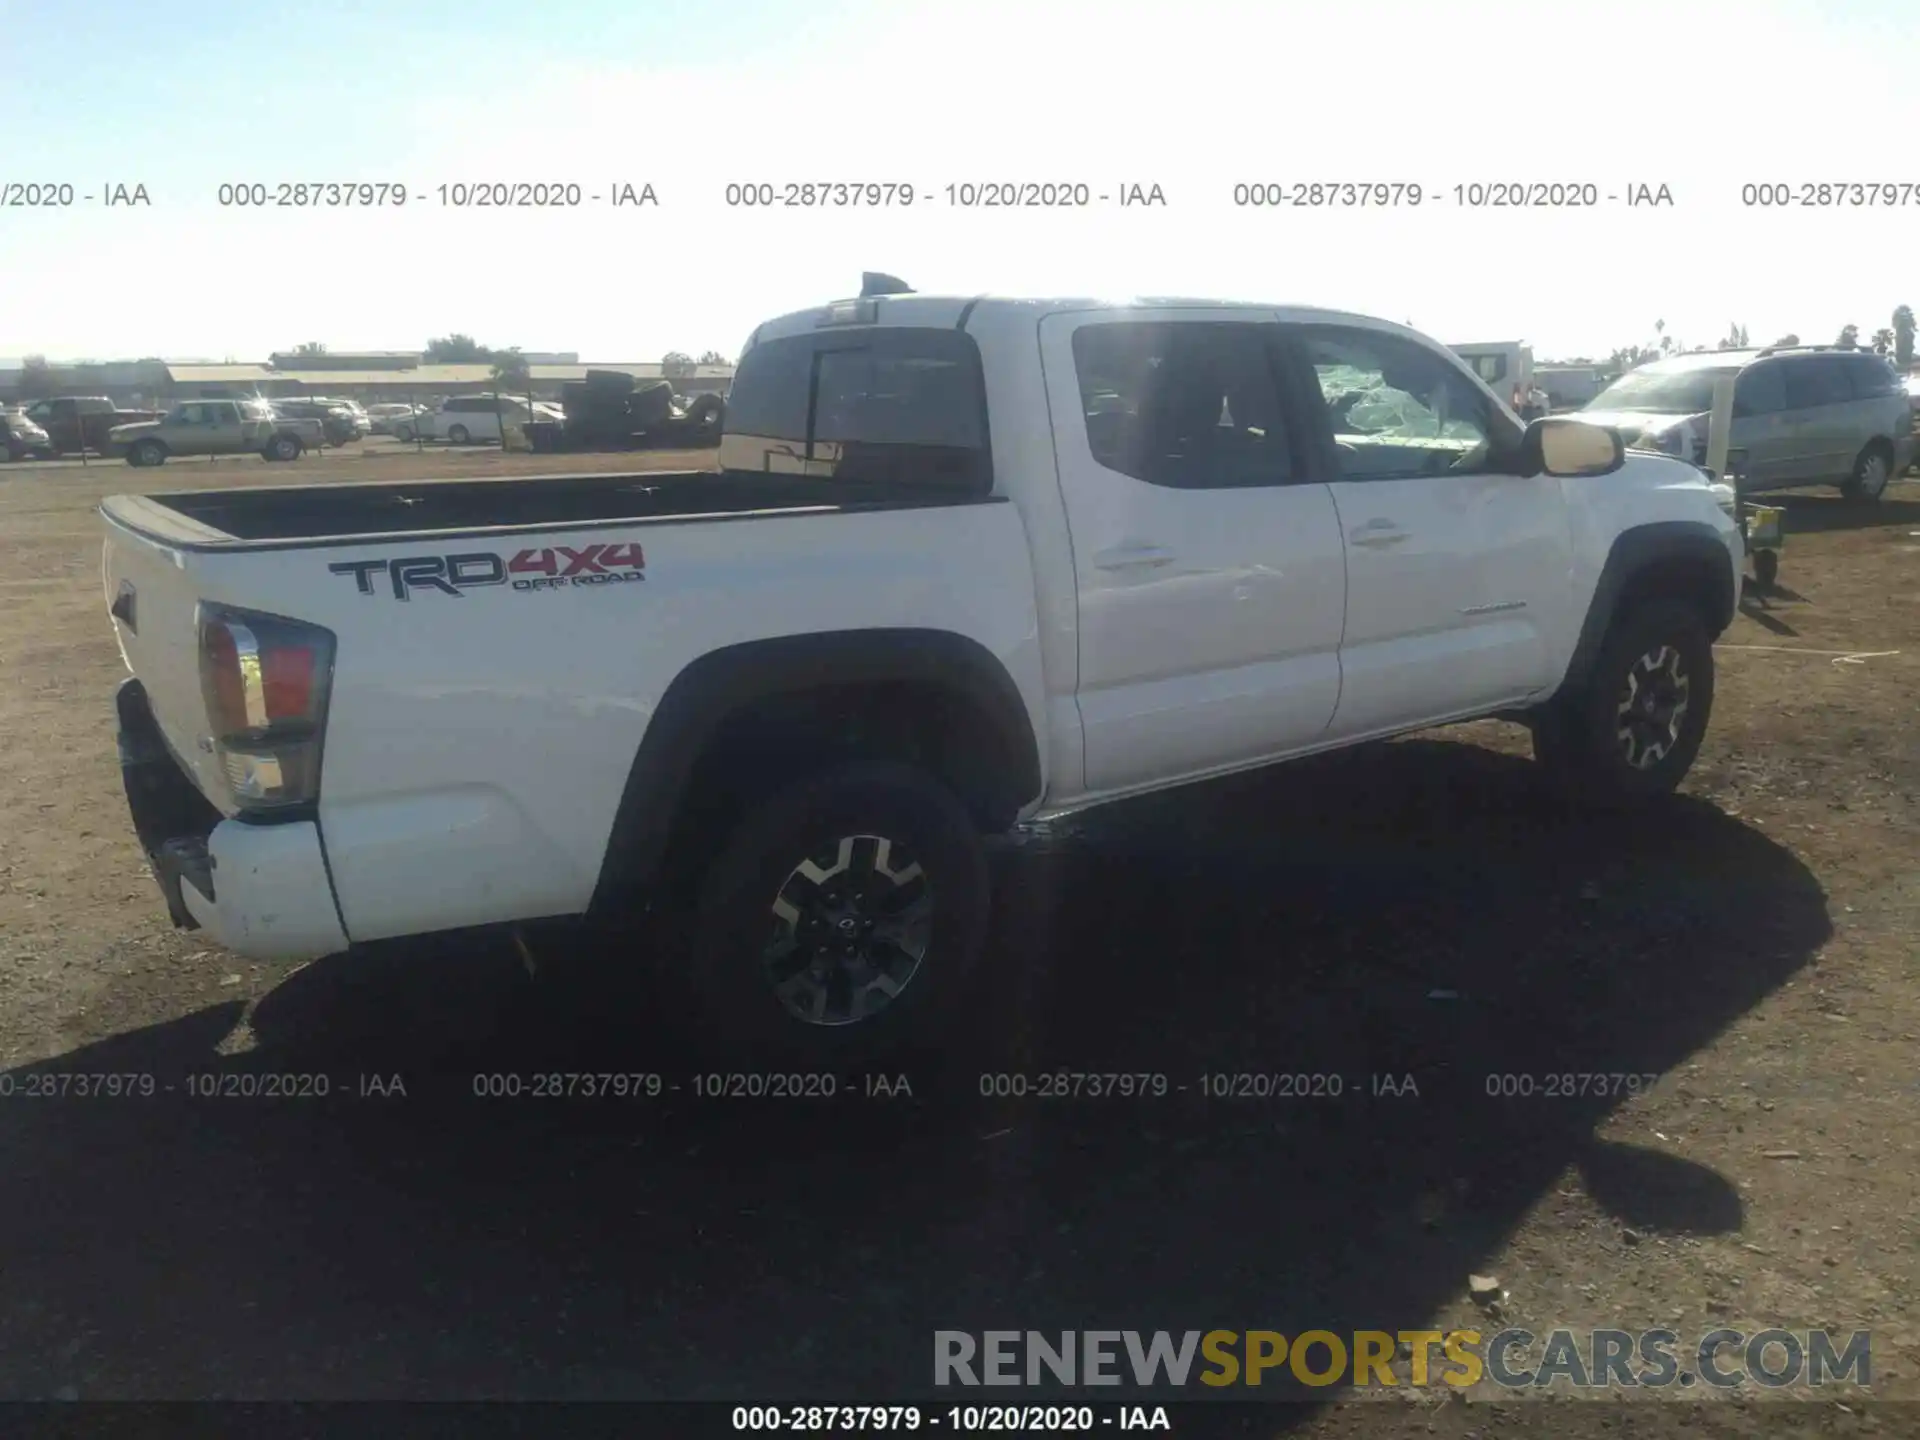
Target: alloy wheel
<point>1653,707</point>
<point>851,927</point>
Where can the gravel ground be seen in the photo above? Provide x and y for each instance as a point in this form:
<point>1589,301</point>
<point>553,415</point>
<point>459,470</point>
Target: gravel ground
<point>1414,911</point>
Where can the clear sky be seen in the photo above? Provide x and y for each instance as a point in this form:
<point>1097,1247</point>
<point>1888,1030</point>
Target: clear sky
<point>1702,96</point>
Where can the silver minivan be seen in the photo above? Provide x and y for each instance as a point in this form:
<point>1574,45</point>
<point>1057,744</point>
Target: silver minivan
<point>1802,415</point>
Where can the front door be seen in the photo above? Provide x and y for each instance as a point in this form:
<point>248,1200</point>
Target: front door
<point>1459,596</point>
<point>1819,396</point>
<point>1761,426</point>
<point>1206,553</point>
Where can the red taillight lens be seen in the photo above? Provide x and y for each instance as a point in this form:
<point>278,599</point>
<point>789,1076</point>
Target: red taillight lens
<point>265,681</point>
<point>286,677</point>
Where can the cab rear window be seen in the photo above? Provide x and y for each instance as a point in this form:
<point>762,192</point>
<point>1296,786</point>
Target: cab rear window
<point>895,406</point>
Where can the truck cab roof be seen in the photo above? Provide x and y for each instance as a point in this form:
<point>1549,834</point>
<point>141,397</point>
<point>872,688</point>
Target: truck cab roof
<point>980,312</point>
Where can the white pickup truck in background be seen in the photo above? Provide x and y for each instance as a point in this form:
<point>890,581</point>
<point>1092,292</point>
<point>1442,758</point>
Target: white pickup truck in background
<point>964,561</point>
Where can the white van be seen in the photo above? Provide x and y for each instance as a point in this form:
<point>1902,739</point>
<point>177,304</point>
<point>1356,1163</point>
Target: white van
<point>469,419</point>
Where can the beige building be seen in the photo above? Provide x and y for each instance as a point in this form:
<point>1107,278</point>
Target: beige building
<point>369,377</point>
<point>400,376</point>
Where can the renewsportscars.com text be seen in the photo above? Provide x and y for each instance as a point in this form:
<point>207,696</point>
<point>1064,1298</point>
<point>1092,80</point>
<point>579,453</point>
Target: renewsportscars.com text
<point>1513,1358</point>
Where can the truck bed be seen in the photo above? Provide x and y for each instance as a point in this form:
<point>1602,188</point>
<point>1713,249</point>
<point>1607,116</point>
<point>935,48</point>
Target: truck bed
<point>289,516</point>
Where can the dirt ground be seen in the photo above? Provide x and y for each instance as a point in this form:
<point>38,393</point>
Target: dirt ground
<point>1411,910</point>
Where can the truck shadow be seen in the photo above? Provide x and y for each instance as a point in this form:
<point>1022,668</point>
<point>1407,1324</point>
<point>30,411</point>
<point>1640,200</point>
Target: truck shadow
<point>1819,513</point>
<point>1411,924</point>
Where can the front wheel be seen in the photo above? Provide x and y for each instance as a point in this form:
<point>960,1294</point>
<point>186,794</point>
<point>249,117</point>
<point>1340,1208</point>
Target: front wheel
<point>147,452</point>
<point>841,916</point>
<point>1631,732</point>
<point>457,435</point>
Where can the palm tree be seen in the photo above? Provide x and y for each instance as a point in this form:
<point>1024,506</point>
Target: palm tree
<point>510,372</point>
<point>1882,340</point>
<point>1903,336</point>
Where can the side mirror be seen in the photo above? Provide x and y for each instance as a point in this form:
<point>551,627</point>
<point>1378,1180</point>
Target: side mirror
<point>1572,449</point>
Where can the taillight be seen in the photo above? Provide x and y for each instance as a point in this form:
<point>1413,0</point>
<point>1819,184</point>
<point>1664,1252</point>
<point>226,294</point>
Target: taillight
<point>265,680</point>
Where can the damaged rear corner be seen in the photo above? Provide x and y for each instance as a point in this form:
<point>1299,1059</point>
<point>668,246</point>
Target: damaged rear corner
<point>171,817</point>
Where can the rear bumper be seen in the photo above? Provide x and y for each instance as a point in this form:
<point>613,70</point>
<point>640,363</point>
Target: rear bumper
<point>260,890</point>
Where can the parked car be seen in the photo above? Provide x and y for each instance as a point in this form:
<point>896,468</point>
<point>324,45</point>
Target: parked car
<point>1913,399</point>
<point>362,422</point>
<point>466,419</point>
<point>81,422</point>
<point>215,427</point>
<point>386,419</point>
<point>21,438</point>
<point>1804,415</point>
<point>336,422</point>
<point>765,715</point>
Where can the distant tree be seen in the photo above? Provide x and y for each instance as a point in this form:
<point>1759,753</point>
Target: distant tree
<point>510,374</point>
<point>676,364</point>
<point>311,347</point>
<point>1787,339</point>
<point>1883,340</point>
<point>713,357</point>
<point>38,379</point>
<point>457,350</point>
<point>1903,336</point>
<point>1736,338</point>
<point>1629,356</point>
<point>1849,337</point>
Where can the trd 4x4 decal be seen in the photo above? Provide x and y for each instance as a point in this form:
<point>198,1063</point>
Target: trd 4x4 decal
<point>556,567</point>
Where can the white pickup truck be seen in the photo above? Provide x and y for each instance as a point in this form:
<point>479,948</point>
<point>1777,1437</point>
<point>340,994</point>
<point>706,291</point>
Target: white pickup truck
<point>962,562</point>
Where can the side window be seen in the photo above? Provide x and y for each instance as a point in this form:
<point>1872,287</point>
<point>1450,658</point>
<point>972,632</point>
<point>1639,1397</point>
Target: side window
<point>1760,390</point>
<point>889,405</point>
<point>1815,382</point>
<point>1398,411</point>
<point>223,414</point>
<point>1871,377</point>
<point>180,415</point>
<point>1185,404</point>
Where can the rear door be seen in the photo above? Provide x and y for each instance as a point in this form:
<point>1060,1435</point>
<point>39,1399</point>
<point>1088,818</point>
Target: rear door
<point>1459,593</point>
<point>1207,559</point>
<point>223,432</point>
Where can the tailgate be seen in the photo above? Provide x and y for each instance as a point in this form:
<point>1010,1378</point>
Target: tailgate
<point>151,594</point>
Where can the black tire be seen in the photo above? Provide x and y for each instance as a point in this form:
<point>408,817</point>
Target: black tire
<point>1592,750</point>
<point>727,959</point>
<point>147,452</point>
<point>458,434</point>
<point>283,448</point>
<point>1766,568</point>
<point>1872,472</point>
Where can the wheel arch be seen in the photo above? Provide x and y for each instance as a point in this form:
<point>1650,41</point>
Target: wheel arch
<point>746,715</point>
<point>1672,559</point>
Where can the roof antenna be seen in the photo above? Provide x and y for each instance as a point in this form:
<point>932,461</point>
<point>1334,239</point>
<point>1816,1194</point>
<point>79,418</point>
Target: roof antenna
<point>873,282</point>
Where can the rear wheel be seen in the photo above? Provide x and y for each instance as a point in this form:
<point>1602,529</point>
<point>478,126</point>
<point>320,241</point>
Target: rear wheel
<point>1631,733</point>
<point>840,917</point>
<point>1872,470</point>
<point>283,447</point>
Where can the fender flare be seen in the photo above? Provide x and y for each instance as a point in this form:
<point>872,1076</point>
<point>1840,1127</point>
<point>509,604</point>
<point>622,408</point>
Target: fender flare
<point>722,682</point>
<point>1635,551</point>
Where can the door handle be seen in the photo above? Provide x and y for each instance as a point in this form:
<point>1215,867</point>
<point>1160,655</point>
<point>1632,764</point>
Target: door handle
<point>1377,534</point>
<point>1133,557</point>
